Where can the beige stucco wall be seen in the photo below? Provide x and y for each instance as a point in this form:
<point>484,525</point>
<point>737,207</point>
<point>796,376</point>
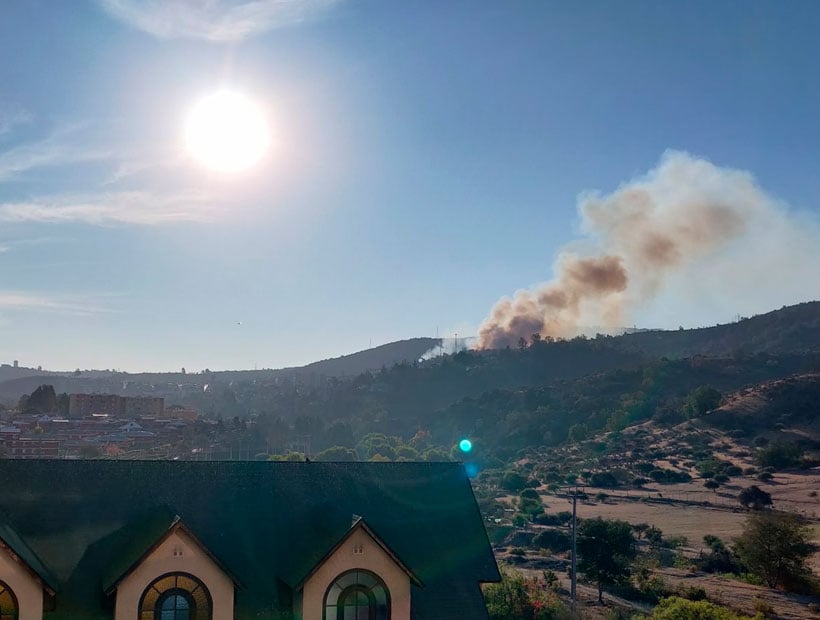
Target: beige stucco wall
<point>26,588</point>
<point>343,559</point>
<point>162,561</point>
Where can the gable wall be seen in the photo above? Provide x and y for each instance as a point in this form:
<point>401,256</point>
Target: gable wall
<point>28,591</point>
<point>162,561</point>
<point>343,559</point>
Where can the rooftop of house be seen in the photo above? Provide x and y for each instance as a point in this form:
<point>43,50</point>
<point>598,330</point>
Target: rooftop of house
<point>267,523</point>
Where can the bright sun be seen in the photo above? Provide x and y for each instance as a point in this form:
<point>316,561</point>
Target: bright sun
<point>227,132</point>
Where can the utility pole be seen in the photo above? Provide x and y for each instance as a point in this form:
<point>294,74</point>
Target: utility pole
<point>574,541</point>
<point>573,580</point>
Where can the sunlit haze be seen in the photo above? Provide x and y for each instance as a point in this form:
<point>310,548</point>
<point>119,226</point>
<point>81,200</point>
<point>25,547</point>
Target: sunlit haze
<point>226,131</point>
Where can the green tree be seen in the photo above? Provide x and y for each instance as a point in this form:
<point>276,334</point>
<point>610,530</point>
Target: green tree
<point>554,540</point>
<point>529,502</point>
<point>775,546</point>
<point>436,455</point>
<point>63,404</point>
<point>676,608</point>
<point>337,453</point>
<point>407,453</point>
<point>754,497</point>
<point>654,535</point>
<point>780,455</point>
<point>375,443</point>
<point>702,400</point>
<point>605,548</point>
<point>513,481</point>
<point>719,559</point>
<point>578,432</point>
<point>43,399</point>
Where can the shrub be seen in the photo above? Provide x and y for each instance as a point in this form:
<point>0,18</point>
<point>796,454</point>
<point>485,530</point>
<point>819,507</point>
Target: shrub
<point>517,597</point>
<point>780,456</point>
<point>497,533</point>
<point>513,481</point>
<point>554,540</point>
<point>763,607</point>
<point>677,608</point>
<point>693,593</point>
<point>603,479</point>
<point>719,559</point>
<point>669,476</point>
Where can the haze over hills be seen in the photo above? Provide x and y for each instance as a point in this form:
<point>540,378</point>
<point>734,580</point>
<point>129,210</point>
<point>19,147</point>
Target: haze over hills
<point>791,329</point>
<point>17,381</point>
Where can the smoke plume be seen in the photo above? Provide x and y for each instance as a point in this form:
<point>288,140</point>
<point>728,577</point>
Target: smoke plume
<point>650,231</point>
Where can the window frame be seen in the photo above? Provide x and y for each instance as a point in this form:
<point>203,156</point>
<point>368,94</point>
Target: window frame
<point>15,612</point>
<point>357,587</point>
<point>174,592</point>
<point>156,611</point>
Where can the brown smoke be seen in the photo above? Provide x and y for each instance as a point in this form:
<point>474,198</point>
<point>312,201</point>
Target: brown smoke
<point>682,211</point>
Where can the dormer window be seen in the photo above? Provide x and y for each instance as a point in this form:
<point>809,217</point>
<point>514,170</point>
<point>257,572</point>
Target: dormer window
<point>177,596</point>
<point>8,603</point>
<point>357,595</point>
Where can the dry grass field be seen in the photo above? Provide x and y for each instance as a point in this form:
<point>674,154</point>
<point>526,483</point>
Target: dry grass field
<point>681,510</point>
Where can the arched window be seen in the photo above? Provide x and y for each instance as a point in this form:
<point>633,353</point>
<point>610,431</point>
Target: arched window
<point>8,603</point>
<point>357,595</point>
<point>177,596</point>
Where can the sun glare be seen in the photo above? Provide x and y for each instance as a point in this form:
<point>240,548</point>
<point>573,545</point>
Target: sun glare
<point>227,132</point>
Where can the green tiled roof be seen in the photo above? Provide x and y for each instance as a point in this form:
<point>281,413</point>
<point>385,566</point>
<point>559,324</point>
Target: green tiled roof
<point>268,523</point>
<point>358,523</point>
<point>24,552</point>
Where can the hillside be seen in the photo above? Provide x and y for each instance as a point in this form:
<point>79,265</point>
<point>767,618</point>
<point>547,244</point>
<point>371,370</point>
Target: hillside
<point>509,400</point>
<point>788,330</point>
<point>15,382</point>
<point>793,402</point>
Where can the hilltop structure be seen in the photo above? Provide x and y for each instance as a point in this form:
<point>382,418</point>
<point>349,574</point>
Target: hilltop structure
<point>159,540</point>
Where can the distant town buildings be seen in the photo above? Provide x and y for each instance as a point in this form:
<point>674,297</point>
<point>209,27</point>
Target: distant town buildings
<point>83,405</point>
<point>104,425</point>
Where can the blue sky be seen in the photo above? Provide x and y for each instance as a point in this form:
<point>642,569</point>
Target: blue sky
<point>427,160</point>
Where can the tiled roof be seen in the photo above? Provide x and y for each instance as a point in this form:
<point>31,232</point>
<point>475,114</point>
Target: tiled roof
<point>268,523</point>
<point>14,542</point>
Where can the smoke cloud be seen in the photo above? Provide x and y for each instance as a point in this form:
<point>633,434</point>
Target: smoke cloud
<point>671,225</point>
